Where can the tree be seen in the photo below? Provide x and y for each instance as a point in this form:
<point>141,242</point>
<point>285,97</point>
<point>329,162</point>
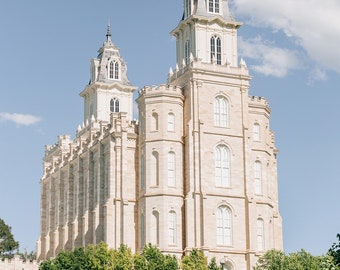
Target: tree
<point>213,265</point>
<point>301,260</point>
<point>272,260</point>
<point>334,251</point>
<point>7,242</point>
<point>122,258</point>
<point>195,260</point>
<point>151,258</point>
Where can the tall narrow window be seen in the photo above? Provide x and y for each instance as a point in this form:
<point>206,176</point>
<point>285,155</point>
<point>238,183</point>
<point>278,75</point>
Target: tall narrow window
<point>222,166</point>
<point>220,111</point>
<point>215,50</point>
<point>142,172</point>
<point>258,177</point>
<point>171,122</point>
<point>154,122</point>
<point>187,52</point>
<point>114,70</point>
<point>187,8</point>
<point>142,231</point>
<point>155,228</point>
<point>256,132</point>
<point>260,236</point>
<point>214,6</point>
<point>154,169</point>
<point>114,105</point>
<point>223,226</point>
<point>172,227</point>
<point>171,169</point>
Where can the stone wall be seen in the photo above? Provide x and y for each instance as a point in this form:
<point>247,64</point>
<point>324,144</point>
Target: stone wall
<point>17,264</point>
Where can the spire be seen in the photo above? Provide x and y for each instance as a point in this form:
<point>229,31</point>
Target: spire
<point>108,34</point>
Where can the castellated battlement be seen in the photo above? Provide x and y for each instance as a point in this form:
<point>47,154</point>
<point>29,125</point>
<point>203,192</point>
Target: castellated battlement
<point>259,102</point>
<point>18,264</point>
<point>87,135</point>
<point>255,99</point>
<point>161,89</point>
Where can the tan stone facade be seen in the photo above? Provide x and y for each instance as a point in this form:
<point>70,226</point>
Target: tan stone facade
<point>197,171</point>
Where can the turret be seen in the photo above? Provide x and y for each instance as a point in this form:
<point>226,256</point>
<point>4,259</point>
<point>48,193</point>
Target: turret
<point>208,32</point>
<point>109,90</point>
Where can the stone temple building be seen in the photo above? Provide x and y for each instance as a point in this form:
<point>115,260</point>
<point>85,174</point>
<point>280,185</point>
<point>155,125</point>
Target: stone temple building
<point>198,169</point>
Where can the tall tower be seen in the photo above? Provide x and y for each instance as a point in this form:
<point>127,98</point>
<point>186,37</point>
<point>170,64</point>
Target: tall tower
<point>109,90</point>
<point>88,189</point>
<point>230,172</point>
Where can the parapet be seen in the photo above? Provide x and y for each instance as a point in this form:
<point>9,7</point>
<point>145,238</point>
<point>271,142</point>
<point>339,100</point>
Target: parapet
<point>18,264</point>
<point>163,89</point>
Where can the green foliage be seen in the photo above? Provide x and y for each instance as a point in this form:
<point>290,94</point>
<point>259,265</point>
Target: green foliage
<point>272,260</point>
<point>301,260</point>
<point>170,262</point>
<point>122,258</point>
<point>213,265</point>
<point>99,257</point>
<point>151,258</point>
<point>7,242</point>
<point>334,251</point>
<point>195,260</point>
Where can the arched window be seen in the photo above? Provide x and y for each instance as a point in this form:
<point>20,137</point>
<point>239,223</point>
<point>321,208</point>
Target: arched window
<point>220,111</point>
<point>223,226</point>
<point>142,231</point>
<point>256,132</point>
<point>154,122</point>
<point>114,105</point>
<point>114,70</point>
<point>214,6</point>
<point>258,177</point>
<point>154,169</point>
<point>187,52</point>
<point>155,228</point>
<point>171,169</point>
<point>260,234</point>
<point>171,122</point>
<point>142,172</point>
<point>172,227</point>
<point>227,266</point>
<point>187,8</point>
<point>222,166</point>
<point>215,50</point>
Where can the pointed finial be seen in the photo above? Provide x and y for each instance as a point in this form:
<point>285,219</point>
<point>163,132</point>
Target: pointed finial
<point>108,34</point>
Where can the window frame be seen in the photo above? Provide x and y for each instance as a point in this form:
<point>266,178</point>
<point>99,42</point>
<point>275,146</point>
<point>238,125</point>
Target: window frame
<point>221,111</point>
<point>222,166</point>
<point>171,169</point>
<point>256,132</point>
<point>172,228</point>
<point>260,234</point>
<point>171,122</point>
<point>214,6</point>
<point>223,226</point>
<point>258,177</point>
<point>114,105</point>
<point>216,50</point>
<point>114,70</point>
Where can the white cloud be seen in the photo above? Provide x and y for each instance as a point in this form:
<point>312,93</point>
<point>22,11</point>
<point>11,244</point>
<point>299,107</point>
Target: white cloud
<point>20,119</point>
<point>314,24</point>
<point>272,60</point>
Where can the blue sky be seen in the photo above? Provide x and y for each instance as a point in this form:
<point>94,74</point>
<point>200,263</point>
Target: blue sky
<point>290,47</point>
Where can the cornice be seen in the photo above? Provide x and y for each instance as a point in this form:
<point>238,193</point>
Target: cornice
<point>106,86</point>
